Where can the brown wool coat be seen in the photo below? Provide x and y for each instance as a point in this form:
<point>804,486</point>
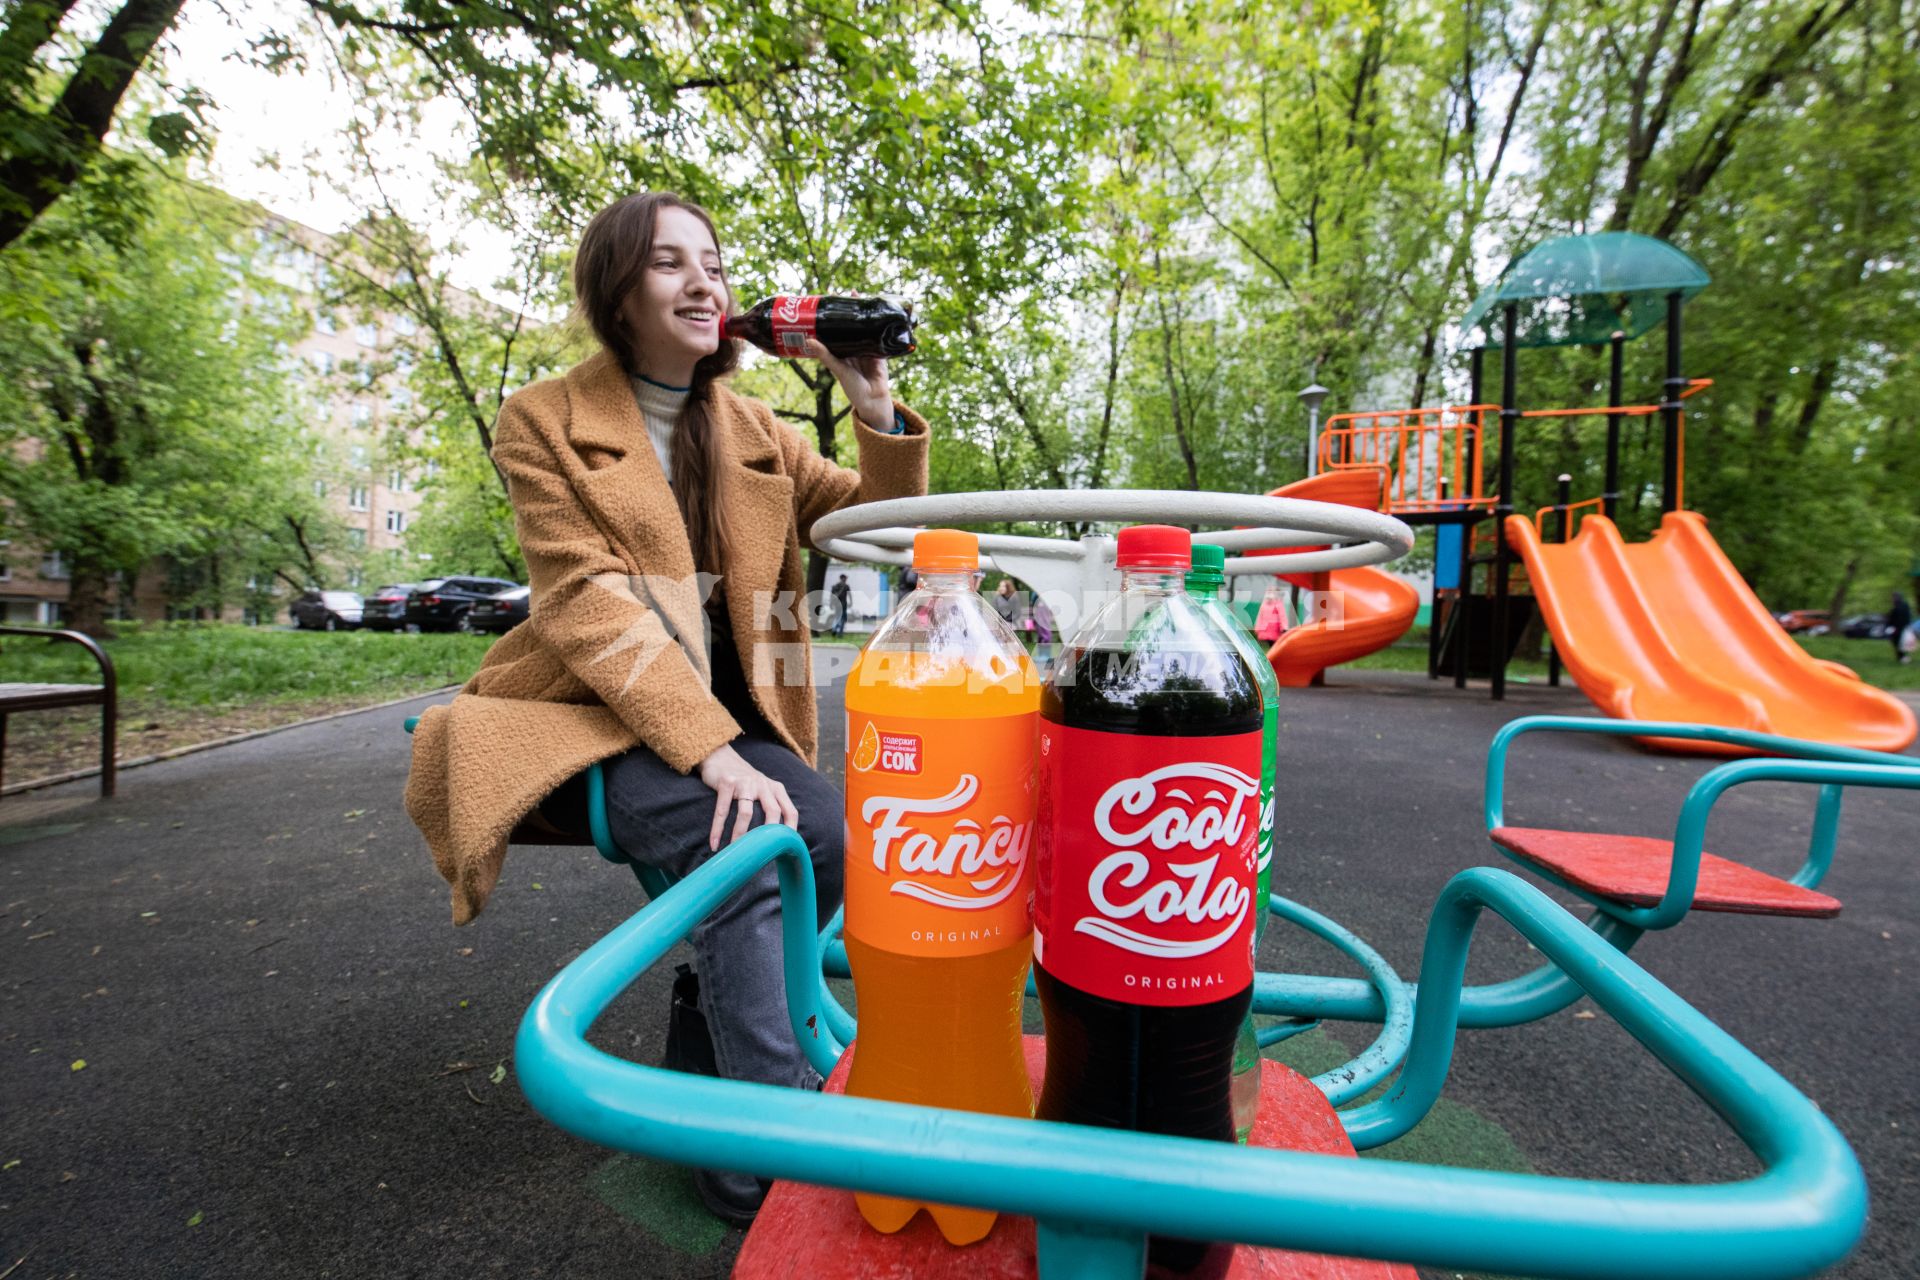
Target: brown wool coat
<point>597,667</point>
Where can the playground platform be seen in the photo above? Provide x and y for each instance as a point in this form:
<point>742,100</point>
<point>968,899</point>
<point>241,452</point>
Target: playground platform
<point>290,1054</point>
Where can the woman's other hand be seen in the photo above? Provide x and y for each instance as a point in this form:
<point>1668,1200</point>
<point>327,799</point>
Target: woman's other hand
<point>739,787</point>
<point>864,380</point>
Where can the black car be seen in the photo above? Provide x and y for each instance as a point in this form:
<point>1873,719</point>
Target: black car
<point>1867,626</point>
<point>502,612</point>
<point>442,604</point>
<point>326,611</point>
<point>386,609</point>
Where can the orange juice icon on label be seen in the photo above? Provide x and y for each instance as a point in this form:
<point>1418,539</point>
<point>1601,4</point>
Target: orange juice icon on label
<point>942,714</point>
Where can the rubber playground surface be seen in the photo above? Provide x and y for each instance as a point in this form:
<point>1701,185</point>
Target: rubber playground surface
<point>241,1039</point>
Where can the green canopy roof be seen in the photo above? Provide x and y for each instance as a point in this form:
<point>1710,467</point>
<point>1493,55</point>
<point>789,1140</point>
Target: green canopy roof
<point>1579,290</point>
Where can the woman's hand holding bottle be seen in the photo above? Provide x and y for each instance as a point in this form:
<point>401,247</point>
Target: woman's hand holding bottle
<point>864,380</point>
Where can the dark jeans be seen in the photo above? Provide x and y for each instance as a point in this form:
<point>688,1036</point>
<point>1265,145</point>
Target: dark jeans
<point>663,818</point>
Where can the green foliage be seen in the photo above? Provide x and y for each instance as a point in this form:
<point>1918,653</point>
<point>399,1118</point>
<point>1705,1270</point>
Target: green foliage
<point>1135,228</point>
<point>221,665</point>
<point>153,410</point>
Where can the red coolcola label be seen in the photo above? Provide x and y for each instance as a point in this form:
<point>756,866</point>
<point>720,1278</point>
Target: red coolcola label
<point>793,324</point>
<point>1148,858</point>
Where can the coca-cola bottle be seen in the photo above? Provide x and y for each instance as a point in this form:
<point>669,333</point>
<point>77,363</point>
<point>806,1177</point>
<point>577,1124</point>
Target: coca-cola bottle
<point>872,326</point>
<point>1146,865</point>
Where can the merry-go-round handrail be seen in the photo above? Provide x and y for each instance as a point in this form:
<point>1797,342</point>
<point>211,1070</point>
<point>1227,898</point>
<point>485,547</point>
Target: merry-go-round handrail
<point>1097,1192</point>
<point>883,531</point>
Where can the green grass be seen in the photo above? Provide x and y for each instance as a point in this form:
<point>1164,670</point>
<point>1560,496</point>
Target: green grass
<point>214,665</point>
<point>1872,659</point>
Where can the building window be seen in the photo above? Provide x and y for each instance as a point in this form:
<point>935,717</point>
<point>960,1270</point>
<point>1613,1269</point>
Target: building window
<point>319,488</point>
<point>433,467</point>
<point>397,480</point>
<point>324,322</point>
<point>53,567</point>
<point>367,335</point>
<point>362,414</point>
<point>356,498</point>
<point>6,560</point>
<point>357,456</point>
<point>396,521</point>
<point>322,360</point>
<point>405,326</point>
<point>357,537</point>
<point>399,399</point>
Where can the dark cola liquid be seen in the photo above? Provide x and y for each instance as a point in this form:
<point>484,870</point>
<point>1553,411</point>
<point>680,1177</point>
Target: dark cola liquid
<point>1151,1068</point>
<point>846,326</point>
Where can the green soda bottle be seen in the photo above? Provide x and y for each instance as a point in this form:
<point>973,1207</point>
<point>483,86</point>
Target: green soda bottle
<point>1204,580</point>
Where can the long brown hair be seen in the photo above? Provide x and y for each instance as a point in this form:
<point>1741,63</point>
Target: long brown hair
<point>612,258</point>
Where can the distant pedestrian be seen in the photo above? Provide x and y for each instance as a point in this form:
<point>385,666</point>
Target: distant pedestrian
<point>1004,602</point>
<point>1899,617</point>
<point>842,602</point>
<point>1042,620</point>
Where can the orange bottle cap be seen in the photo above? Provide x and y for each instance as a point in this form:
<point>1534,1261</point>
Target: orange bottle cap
<point>945,551</point>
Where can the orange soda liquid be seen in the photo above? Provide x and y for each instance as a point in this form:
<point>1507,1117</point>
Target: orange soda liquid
<point>942,718</point>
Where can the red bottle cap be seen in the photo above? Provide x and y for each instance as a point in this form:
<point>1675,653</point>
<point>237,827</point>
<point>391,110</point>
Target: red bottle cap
<point>1155,546</point>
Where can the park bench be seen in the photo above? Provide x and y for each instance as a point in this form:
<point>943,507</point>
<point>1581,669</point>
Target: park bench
<point>16,697</point>
<point>1651,883</point>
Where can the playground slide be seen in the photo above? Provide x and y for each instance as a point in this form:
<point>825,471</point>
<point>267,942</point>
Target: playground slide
<point>1374,608</point>
<point>1668,630</point>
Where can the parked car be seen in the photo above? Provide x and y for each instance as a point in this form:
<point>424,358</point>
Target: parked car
<point>501,612</point>
<point>326,611</point>
<point>443,604</point>
<point>1805,622</point>
<point>386,609</point>
<point>1867,626</point>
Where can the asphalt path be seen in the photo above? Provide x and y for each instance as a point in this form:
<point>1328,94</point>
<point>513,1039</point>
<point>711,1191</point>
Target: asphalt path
<point>295,1066</point>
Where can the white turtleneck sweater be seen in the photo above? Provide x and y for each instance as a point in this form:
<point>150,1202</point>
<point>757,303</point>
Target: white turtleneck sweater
<point>660,406</point>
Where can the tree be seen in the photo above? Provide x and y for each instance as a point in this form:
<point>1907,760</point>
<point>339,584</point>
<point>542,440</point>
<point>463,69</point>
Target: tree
<point>57,103</point>
<point>153,409</point>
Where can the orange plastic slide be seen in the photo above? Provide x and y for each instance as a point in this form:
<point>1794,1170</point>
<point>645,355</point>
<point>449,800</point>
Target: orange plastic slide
<point>1668,630</point>
<point>1373,609</point>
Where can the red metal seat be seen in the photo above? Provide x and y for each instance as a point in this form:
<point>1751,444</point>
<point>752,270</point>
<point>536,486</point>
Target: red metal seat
<point>817,1233</point>
<point>1633,871</point>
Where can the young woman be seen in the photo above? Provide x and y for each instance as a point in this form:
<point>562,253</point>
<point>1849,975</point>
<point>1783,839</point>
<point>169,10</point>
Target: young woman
<point>661,517</point>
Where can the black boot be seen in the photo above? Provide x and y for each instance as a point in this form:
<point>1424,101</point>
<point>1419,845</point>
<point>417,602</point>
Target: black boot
<point>689,1042</point>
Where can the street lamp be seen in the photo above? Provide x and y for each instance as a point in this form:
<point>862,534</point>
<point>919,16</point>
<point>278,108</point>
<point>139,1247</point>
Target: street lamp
<point>1311,398</point>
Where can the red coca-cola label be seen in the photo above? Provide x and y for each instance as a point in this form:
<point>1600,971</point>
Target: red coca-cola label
<point>793,323</point>
<point>1148,852</point>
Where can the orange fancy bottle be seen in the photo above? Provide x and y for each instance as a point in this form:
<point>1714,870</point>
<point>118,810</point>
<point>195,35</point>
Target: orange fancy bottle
<point>942,713</point>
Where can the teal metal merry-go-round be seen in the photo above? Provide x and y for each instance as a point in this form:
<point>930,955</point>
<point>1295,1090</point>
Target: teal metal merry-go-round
<point>1081,1202</point>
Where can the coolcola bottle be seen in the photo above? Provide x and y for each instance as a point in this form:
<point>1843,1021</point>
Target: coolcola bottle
<point>874,326</point>
<point>1204,581</point>
<point>942,711</point>
<point>1147,849</point>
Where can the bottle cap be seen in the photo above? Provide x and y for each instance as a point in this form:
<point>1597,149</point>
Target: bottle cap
<point>1155,546</point>
<point>1209,570</point>
<point>945,551</point>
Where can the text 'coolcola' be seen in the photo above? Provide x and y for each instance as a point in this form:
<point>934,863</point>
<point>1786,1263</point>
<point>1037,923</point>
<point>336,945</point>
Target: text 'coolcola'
<point>780,325</point>
<point>1147,866</point>
<point>941,716</point>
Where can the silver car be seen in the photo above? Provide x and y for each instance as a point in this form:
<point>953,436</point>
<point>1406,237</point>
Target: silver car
<point>326,611</point>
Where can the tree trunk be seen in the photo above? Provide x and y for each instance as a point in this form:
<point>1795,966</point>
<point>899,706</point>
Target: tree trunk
<point>87,600</point>
<point>1839,602</point>
<point>54,149</point>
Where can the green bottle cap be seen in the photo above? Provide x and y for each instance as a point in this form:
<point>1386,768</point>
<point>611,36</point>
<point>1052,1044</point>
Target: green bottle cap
<point>1209,568</point>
